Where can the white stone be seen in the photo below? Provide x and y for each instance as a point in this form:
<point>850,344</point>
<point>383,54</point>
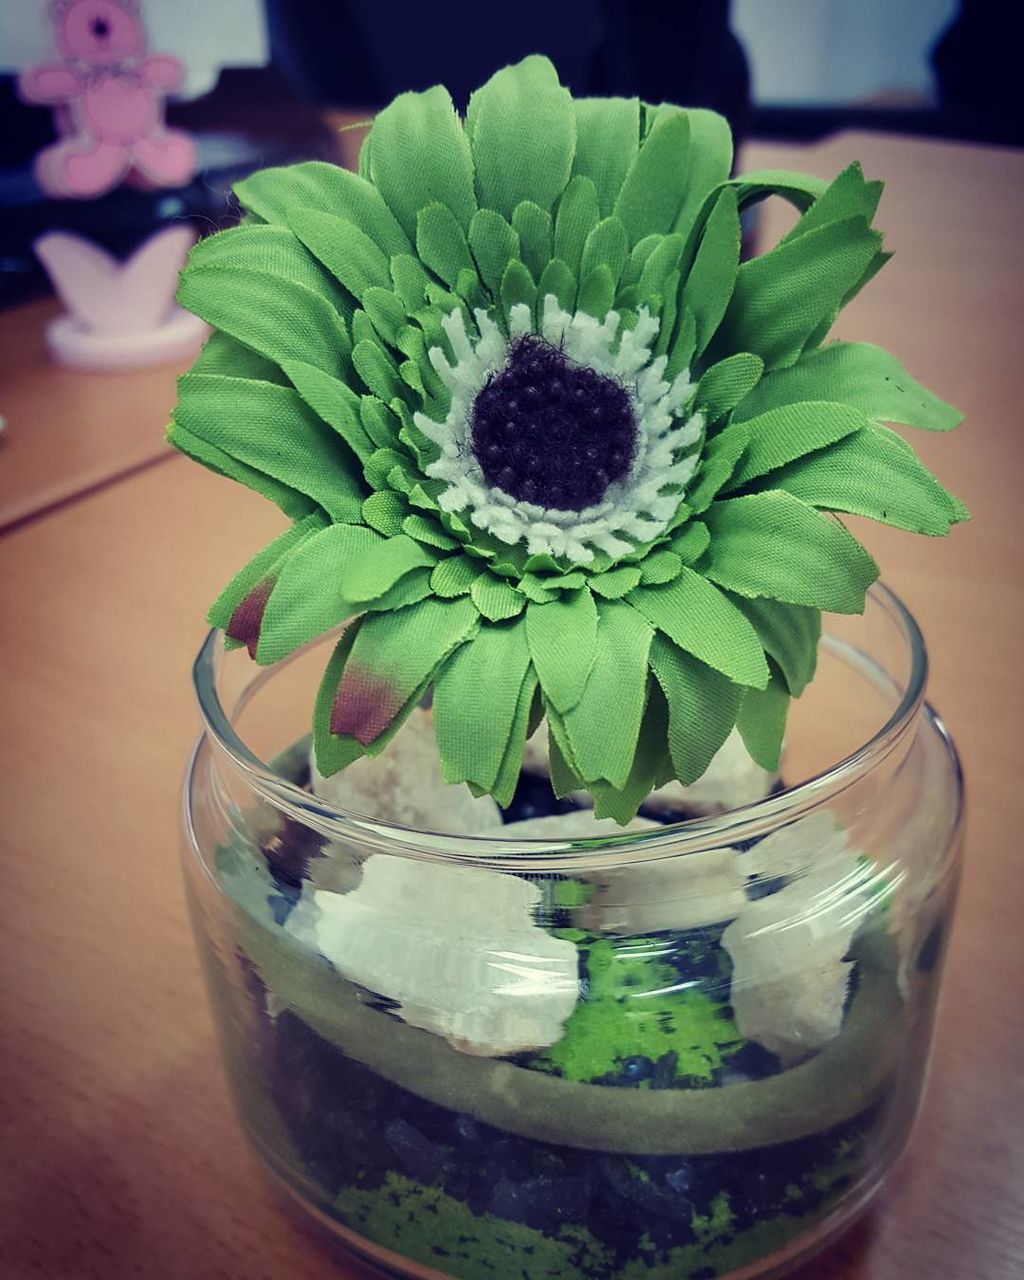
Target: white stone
<point>456,947</point>
<point>815,841</point>
<point>683,892</point>
<point>790,978</point>
<point>404,785</point>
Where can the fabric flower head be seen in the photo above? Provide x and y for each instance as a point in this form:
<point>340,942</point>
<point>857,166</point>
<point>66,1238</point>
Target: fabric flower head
<point>538,431</point>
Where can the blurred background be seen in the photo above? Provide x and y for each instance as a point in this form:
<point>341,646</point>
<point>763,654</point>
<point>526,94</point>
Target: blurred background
<point>272,81</point>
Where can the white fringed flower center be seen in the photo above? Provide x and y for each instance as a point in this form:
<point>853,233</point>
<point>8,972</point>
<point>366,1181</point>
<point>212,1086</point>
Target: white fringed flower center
<point>636,508</point>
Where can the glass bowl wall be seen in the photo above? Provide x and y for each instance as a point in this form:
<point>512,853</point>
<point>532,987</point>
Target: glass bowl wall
<point>689,1051</point>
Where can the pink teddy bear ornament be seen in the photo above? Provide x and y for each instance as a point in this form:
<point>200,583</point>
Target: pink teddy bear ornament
<point>110,100</point>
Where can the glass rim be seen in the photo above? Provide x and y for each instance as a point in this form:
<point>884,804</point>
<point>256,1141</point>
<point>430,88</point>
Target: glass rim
<point>548,854</point>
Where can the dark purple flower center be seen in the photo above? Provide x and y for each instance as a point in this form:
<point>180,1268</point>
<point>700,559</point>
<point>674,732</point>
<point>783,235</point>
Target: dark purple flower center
<point>552,432</point>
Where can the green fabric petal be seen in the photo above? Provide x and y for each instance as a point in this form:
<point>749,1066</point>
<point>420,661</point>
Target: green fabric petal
<point>799,189</point>
<point>692,542</point>
<point>858,374</point>
<point>522,129</point>
<point>348,253</point>
<point>613,584</point>
<point>517,287</point>
<point>782,435</point>
<point>271,429</point>
<point>528,708</point>
<point>412,437</point>
<point>387,312</point>
<point>379,466</point>
<point>873,473</point>
<point>262,568</point>
<point>659,567</point>
<point>273,251</point>
<point>648,768</point>
<point>670,333</point>
<point>454,576</point>
<point>847,196</point>
<point>279,319</point>
<point>393,657</point>
<point>654,188</point>
<point>702,708</point>
<point>291,501</point>
<point>330,752</point>
<point>782,297</point>
<point>342,571</point>
<point>494,244</point>
<point>336,751</point>
<point>476,703</point>
<point>329,578</point>
<point>419,155</point>
<point>605,245</point>
<point>469,288</point>
<point>410,280</point>
<point>564,777</point>
<point>362,329</point>
<point>272,193</point>
<point>762,721</point>
<point>379,423</point>
<point>533,226</point>
<point>334,402</point>
<point>790,635</point>
<point>772,544</point>
<point>727,384</point>
<point>223,354</point>
<point>441,243</point>
<point>659,267</point>
<point>597,292</point>
<point>607,139</point>
<point>578,214</point>
<point>385,511</point>
<point>637,259</point>
<point>721,454</point>
<point>699,618</point>
<point>426,530</point>
<point>708,162</point>
<point>557,279</point>
<point>712,277</point>
<point>604,724</point>
<point>377,370</point>
<point>495,599</point>
<point>413,343</point>
<point>409,589</point>
<point>562,636</point>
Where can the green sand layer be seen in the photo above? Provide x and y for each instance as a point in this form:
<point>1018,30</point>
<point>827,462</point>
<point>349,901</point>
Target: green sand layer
<point>425,1225</point>
<point>817,1095</point>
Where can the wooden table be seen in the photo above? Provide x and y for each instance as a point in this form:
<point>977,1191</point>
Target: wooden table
<point>69,431</point>
<point>121,1155</point>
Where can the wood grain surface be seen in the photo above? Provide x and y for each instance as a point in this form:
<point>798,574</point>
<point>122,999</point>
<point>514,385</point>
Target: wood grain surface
<point>121,1157</point>
<point>67,430</point>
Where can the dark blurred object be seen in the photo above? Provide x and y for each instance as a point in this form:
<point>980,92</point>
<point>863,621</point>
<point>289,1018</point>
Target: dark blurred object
<point>977,66</point>
<point>660,50</point>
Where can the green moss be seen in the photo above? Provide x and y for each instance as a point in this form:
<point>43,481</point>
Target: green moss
<point>638,1006</point>
<point>568,894</point>
<point>427,1225</point>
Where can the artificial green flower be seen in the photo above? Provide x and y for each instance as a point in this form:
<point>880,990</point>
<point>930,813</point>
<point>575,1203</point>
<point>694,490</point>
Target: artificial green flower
<point>543,436</point>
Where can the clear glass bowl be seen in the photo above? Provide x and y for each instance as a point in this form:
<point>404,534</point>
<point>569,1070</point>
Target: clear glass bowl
<point>689,1051</point>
